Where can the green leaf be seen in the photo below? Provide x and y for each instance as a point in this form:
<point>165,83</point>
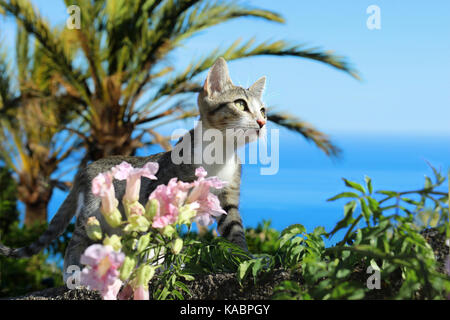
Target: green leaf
<point>349,208</point>
<point>411,201</point>
<point>342,273</point>
<point>373,204</point>
<point>294,229</point>
<point>388,193</point>
<point>437,174</point>
<point>319,231</point>
<point>256,268</point>
<point>374,265</point>
<point>356,295</point>
<point>187,277</point>
<point>369,184</point>
<point>291,232</point>
<point>366,211</point>
<point>183,287</point>
<point>354,185</point>
<point>243,270</point>
<point>344,195</point>
<point>164,293</point>
<point>428,183</point>
<point>177,294</point>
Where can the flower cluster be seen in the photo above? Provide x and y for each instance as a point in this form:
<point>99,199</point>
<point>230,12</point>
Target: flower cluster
<point>180,201</point>
<point>118,261</point>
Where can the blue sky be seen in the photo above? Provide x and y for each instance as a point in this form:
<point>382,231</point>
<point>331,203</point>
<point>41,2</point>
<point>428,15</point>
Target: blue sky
<point>405,66</point>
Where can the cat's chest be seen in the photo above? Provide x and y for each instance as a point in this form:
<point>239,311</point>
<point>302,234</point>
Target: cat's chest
<point>225,172</point>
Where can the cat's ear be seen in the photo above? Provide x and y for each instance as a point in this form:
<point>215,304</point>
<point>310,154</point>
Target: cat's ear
<point>258,87</point>
<point>218,79</point>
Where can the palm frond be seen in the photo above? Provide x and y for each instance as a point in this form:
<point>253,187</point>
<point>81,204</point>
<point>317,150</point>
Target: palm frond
<point>125,26</point>
<point>167,17</point>
<point>182,81</point>
<point>186,114</point>
<point>156,42</point>
<point>205,15</point>
<point>5,82</point>
<point>89,41</point>
<point>14,144</point>
<point>22,55</point>
<point>180,20</point>
<point>28,16</point>
<point>320,139</point>
<point>164,142</point>
<point>9,98</point>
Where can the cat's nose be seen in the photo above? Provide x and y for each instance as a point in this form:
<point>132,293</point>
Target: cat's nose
<point>261,123</point>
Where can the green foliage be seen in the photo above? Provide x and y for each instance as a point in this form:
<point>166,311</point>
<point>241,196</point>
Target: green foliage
<point>216,255</point>
<point>263,239</point>
<point>20,276</point>
<point>204,254</point>
<point>386,237</point>
<point>208,254</point>
<point>8,210</point>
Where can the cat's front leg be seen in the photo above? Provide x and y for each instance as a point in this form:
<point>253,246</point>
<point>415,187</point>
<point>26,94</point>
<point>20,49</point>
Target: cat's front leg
<point>76,247</point>
<point>230,226</point>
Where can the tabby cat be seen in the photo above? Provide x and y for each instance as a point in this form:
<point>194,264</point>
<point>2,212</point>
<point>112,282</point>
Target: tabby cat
<point>222,106</point>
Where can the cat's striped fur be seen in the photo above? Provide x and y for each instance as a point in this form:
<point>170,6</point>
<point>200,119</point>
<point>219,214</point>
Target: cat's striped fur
<point>217,110</point>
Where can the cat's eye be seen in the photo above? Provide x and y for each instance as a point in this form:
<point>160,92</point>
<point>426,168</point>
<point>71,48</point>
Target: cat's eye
<point>241,105</point>
<point>263,112</point>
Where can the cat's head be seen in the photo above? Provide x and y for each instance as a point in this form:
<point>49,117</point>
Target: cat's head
<point>223,105</point>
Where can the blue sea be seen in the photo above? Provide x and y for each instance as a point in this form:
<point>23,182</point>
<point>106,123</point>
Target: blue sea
<point>307,177</point>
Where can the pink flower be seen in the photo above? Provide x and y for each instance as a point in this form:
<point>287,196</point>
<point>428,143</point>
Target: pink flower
<point>133,176</point>
<point>122,171</point>
<point>177,193</point>
<point>141,293</point>
<point>200,173</point>
<point>209,207</point>
<point>112,290</point>
<point>101,272</point>
<point>214,181</point>
<point>102,186</point>
<point>209,204</point>
<point>170,198</point>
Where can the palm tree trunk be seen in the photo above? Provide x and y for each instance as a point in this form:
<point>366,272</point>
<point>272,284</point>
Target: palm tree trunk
<point>36,212</point>
<point>112,141</point>
<point>35,195</point>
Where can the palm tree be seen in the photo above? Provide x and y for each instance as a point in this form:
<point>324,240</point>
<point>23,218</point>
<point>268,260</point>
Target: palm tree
<point>31,116</point>
<point>121,51</point>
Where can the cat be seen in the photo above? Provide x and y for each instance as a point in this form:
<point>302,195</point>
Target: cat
<point>222,106</point>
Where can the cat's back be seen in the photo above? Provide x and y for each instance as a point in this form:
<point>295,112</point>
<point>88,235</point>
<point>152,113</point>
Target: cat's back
<point>105,164</point>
